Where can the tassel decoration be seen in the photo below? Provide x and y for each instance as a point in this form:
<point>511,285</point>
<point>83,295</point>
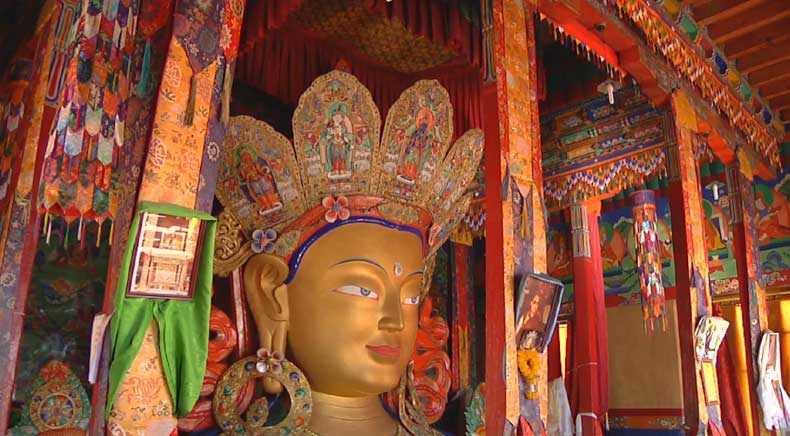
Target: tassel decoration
<point>189,116</point>
<point>143,86</point>
<point>98,235</point>
<point>227,88</point>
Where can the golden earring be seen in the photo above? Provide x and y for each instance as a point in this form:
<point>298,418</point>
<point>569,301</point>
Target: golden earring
<point>235,379</point>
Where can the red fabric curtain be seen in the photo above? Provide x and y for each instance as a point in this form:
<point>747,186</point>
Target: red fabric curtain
<point>440,22</point>
<point>554,358</point>
<point>732,413</point>
<point>286,62</point>
<point>263,16</point>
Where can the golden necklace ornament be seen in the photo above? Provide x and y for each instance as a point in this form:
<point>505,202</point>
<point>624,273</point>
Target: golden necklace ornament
<point>264,364</point>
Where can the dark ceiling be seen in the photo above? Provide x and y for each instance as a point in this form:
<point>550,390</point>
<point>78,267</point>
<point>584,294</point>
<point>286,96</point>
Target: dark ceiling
<point>17,21</point>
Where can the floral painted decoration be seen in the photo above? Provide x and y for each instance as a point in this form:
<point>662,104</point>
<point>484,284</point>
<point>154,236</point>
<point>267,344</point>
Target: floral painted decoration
<point>263,241</point>
<point>336,208</point>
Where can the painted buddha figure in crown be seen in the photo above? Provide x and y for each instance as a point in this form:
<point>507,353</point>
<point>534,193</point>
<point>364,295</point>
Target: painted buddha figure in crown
<point>337,258</point>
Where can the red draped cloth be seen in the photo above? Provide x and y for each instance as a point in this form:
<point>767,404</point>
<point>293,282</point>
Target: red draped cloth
<point>554,357</point>
<point>282,60</point>
<point>286,62</point>
<point>732,413</point>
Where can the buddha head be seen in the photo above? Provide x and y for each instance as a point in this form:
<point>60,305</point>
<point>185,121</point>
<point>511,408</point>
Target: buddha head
<point>335,271</point>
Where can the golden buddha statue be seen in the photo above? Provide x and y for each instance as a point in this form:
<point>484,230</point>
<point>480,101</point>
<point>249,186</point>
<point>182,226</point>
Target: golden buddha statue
<point>334,274</point>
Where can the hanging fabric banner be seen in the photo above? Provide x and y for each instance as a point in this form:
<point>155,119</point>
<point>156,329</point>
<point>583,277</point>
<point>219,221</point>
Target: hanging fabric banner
<point>647,250</point>
<point>84,145</point>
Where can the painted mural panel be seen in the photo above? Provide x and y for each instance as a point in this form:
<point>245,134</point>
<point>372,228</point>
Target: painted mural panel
<point>621,280</point>
<point>66,291</point>
<point>772,201</point>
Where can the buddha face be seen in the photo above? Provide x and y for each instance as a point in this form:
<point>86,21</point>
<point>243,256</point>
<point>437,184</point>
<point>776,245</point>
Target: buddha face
<point>352,309</point>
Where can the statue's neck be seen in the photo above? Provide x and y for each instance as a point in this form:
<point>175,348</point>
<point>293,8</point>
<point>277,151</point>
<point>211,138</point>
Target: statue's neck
<point>333,415</point>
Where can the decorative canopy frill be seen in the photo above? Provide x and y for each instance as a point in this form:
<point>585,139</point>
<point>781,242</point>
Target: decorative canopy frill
<point>707,70</point>
<point>596,148</point>
<point>87,137</point>
<point>728,72</point>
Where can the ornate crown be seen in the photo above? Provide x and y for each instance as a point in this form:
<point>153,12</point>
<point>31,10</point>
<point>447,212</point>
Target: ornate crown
<point>278,198</point>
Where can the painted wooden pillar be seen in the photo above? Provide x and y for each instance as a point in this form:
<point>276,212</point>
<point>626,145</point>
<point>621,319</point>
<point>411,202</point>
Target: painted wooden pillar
<point>19,227</point>
<point>180,168</point>
<point>691,261</point>
<point>590,367</point>
<point>746,249</point>
<point>515,225</point>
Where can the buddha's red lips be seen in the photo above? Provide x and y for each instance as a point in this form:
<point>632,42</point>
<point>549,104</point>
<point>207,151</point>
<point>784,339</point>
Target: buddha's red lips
<point>385,350</point>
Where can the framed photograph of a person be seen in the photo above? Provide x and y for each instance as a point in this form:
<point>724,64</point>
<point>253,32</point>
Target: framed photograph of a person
<point>538,299</point>
<point>166,257</point>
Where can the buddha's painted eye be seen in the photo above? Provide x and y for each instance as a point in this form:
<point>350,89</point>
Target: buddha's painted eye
<point>357,291</point>
<point>411,300</point>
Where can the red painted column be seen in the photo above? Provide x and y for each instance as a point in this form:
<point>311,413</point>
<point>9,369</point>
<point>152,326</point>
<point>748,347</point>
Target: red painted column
<point>752,296</point>
<point>590,366</point>
<point>495,266</point>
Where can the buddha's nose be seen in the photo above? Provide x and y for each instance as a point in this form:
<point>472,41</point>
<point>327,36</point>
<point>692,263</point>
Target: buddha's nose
<point>392,315</point>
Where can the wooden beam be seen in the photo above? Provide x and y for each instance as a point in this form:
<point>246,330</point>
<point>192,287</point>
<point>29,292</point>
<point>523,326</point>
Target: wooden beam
<point>779,78</point>
<point>762,59</point>
<point>767,74</point>
<point>711,12</point>
<point>780,103</point>
<point>774,89</point>
<point>770,35</point>
<point>749,21</point>
<point>778,94</point>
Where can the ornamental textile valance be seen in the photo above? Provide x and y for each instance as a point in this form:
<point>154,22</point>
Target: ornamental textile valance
<point>183,324</point>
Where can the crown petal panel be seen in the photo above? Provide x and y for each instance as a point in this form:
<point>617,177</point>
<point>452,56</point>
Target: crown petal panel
<point>259,180</point>
<point>456,171</point>
<point>336,131</point>
<point>278,198</point>
<point>417,132</point>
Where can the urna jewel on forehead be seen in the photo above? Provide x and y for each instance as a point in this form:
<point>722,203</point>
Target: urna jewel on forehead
<point>277,197</point>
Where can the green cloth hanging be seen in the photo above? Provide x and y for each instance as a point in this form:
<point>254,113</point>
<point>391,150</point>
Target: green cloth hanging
<point>183,324</point>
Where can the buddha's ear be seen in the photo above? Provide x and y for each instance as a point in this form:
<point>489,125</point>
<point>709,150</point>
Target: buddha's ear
<point>267,297</point>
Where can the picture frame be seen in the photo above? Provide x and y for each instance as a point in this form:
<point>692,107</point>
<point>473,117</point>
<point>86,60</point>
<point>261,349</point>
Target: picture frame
<point>538,302</point>
<point>166,257</point>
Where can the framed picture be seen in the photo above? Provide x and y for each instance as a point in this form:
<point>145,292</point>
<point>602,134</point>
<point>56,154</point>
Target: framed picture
<point>709,384</point>
<point>537,308</point>
<point>166,257</point>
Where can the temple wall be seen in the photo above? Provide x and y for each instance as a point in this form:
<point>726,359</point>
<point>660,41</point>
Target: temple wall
<point>645,388</point>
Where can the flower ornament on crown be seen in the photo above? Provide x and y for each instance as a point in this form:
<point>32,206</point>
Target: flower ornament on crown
<point>280,197</point>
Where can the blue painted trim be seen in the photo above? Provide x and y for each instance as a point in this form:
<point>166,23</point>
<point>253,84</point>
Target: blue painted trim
<point>296,259</point>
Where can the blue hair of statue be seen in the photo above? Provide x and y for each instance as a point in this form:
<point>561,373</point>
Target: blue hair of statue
<point>296,259</point>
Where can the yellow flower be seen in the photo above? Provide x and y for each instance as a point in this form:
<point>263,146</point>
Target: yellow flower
<point>529,364</point>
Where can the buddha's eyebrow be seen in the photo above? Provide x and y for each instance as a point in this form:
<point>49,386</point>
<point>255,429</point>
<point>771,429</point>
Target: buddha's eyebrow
<point>360,259</point>
<point>418,272</point>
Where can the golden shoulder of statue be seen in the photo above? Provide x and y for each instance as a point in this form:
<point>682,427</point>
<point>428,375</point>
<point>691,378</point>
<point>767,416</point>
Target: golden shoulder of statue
<point>337,236</point>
